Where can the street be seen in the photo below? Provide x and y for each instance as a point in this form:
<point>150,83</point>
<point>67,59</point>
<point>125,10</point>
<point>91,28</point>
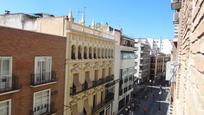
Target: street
<point>151,101</point>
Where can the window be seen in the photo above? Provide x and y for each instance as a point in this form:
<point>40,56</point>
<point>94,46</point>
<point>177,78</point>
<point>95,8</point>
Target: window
<point>73,52</point>
<point>79,52</point>
<point>99,53</point>
<point>5,107</point>
<point>103,73</point>
<point>5,73</point>
<point>90,53</point>
<point>43,68</point>
<point>127,55</point>
<point>85,53</point>
<point>94,100</point>
<point>94,53</point>
<point>41,102</point>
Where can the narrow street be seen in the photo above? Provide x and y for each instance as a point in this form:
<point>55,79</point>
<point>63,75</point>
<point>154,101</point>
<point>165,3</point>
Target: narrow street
<point>151,102</point>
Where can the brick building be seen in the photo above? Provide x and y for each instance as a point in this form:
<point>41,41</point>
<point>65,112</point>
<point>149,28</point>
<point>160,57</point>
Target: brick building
<point>32,70</point>
<point>189,31</point>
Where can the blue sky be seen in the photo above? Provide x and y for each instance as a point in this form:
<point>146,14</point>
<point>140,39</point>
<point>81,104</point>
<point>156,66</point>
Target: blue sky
<point>138,18</point>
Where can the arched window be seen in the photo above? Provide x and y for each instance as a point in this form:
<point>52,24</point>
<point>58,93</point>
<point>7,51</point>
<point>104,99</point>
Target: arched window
<point>73,50</point>
<point>109,53</point>
<point>85,53</point>
<point>90,53</point>
<point>112,53</point>
<point>102,53</point>
<point>106,53</point>
<point>99,53</point>
<point>79,52</point>
<point>94,53</point>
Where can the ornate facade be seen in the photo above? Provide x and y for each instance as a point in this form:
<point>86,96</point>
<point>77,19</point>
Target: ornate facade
<point>89,67</point>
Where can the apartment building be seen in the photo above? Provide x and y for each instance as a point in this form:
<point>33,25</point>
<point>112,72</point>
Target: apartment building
<point>89,60</point>
<point>142,60</point>
<point>38,22</point>
<point>158,66</point>
<point>124,70</point>
<point>189,79</point>
<point>32,70</point>
<point>89,70</point>
<point>160,45</point>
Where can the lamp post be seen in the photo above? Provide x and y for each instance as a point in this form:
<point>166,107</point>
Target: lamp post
<point>160,92</point>
<point>133,108</point>
<point>150,81</point>
<point>126,110</point>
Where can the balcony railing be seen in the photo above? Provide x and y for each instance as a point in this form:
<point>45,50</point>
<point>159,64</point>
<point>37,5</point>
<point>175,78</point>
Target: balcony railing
<point>9,83</point>
<point>43,78</point>
<point>176,18</point>
<point>120,92</point>
<point>176,5</point>
<point>73,90</point>
<point>108,99</point>
<point>50,110</point>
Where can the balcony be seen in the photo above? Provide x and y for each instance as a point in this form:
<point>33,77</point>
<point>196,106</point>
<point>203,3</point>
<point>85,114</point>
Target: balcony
<point>48,111</point>
<point>176,5</point>
<point>43,78</point>
<point>120,92</point>
<point>108,99</point>
<point>176,18</point>
<point>96,83</point>
<point>9,85</point>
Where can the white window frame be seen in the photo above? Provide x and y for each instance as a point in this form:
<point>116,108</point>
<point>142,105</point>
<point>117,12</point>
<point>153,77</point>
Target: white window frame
<point>40,58</point>
<point>35,93</point>
<point>9,100</point>
<point>10,67</point>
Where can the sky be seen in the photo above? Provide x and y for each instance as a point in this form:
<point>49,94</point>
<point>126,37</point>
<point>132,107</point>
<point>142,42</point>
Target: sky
<point>137,18</point>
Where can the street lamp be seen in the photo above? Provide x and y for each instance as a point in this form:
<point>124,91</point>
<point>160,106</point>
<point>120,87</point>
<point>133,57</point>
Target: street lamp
<point>133,108</point>
<point>150,81</point>
<point>129,110</point>
<point>126,110</point>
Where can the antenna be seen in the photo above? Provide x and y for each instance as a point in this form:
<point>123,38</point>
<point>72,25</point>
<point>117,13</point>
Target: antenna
<point>84,12</point>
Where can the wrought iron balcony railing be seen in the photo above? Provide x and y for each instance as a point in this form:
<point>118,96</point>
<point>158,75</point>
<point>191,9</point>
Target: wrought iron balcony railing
<point>49,109</point>
<point>43,78</point>
<point>73,90</point>
<point>108,99</point>
<point>9,83</point>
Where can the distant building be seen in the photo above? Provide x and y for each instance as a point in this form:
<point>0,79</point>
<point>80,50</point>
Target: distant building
<point>160,45</point>
<point>158,66</point>
<point>142,60</point>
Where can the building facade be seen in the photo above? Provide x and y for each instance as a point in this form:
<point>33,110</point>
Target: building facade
<point>158,66</point>
<point>160,45</point>
<point>142,60</point>
<point>31,73</point>
<point>189,80</point>
<point>89,70</point>
<point>124,71</point>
